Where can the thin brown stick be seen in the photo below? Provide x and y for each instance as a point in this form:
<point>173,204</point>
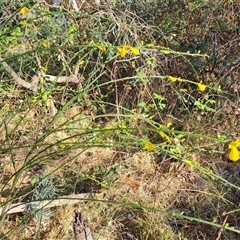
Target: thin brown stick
<point>35,79</point>
<point>33,85</point>
<point>220,230</point>
<point>22,207</point>
<point>61,79</point>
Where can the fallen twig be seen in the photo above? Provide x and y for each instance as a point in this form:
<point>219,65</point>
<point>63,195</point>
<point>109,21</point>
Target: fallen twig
<point>22,207</point>
<point>61,79</point>
<point>35,79</point>
<point>220,230</point>
<point>33,85</point>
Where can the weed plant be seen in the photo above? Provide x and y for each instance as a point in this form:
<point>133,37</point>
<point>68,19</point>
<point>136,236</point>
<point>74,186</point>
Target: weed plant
<point>151,129</point>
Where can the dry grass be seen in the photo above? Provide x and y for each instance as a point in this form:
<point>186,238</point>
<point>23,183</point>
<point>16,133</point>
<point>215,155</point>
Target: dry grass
<point>94,142</point>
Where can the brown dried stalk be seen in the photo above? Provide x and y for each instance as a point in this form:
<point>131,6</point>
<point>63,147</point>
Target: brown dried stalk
<point>22,207</point>
<point>35,79</point>
<point>220,230</point>
<point>33,85</point>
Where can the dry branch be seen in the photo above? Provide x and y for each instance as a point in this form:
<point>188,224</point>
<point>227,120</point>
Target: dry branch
<point>61,79</point>
<point>33,85</point>
<point>22,207</point>
<point>220,230</point>
<point>35,79</point>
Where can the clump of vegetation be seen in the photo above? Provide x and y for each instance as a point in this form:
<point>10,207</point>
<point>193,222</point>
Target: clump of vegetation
<point>129,110</point>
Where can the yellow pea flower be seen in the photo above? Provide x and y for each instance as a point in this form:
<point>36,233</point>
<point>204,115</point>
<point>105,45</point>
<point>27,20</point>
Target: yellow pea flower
<point>149,146</point>
<point>122,51</point>
<point>24,10</point>
<point>234,144</point>
<point>191,163</point>
<point>234,154</point>
<point>102,49</point>
<point>169,124</point>
<point>201,87</point>
<point>165,137</point>
<point>126,46</point>
<point>134,51</point>
<point>172,79</point>
<point>188,162</point>
<point>81,62</point>
<point>23,23</point>
<point>62,146</point>
<point>35,99</point>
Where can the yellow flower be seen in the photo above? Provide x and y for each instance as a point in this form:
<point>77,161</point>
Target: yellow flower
<point>197,164</point>
<point>102,49</point>
<point>165,137</point>
<point>201,87</point>
<point>234,154</point>
<point>188,162</point>
<point>191,163</point>
<point>35,99</point>
<point>62,146</point>
<point>169,124</point>
<point>81,62</point>
<point>122,51</point>
<point>23,23</point>
<point>108,127</point>
<point>173,79</point>
<point>149,146</point>
<point>234,144</point>
<point>126,46</point>
<point>24,10</point>
<point>134,51</point>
